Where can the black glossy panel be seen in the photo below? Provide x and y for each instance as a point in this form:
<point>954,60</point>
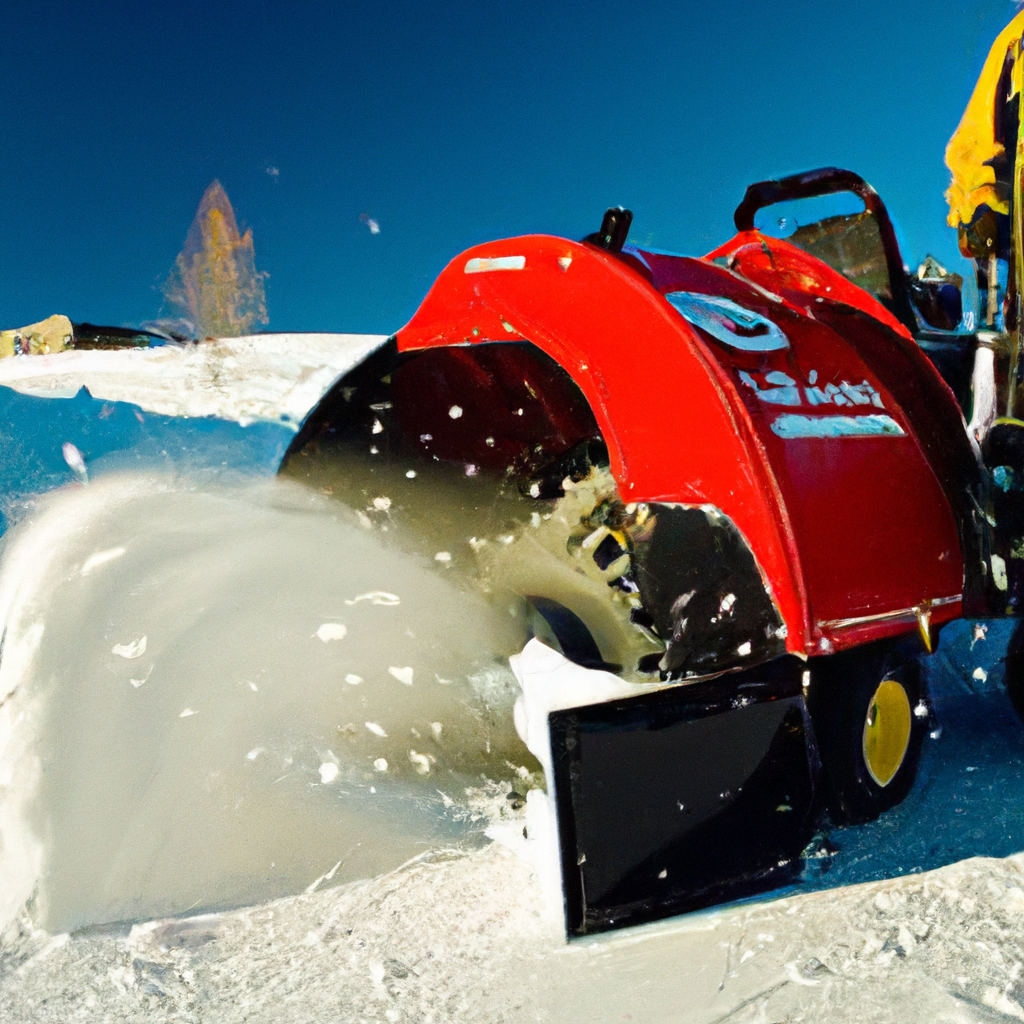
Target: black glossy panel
<point>678,800</point>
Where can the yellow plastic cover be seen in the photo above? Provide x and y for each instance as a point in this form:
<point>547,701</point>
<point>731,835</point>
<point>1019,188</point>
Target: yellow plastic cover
<point>973,143</point>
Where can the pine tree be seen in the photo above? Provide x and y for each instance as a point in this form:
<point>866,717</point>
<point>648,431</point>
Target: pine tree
<point>215,284</point>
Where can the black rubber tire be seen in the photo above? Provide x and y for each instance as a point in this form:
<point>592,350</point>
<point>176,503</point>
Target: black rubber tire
<point>1014,665</point>
<point>841,692</point>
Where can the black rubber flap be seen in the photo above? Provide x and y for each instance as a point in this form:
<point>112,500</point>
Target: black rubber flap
<point>682,799</point>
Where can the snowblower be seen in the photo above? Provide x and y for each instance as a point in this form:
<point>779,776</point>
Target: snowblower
<point>736,494</point>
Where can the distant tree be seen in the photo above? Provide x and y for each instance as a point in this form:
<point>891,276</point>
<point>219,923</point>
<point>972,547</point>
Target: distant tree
<point>215,285</point>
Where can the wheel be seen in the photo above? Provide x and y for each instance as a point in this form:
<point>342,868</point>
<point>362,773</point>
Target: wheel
<point>869,717</point>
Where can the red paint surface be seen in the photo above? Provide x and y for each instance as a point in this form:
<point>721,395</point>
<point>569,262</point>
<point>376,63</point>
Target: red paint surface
<point>841,527</point>
<point>798,277</point>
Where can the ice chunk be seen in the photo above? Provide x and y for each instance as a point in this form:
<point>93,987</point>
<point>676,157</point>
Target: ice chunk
<point>402,673</point>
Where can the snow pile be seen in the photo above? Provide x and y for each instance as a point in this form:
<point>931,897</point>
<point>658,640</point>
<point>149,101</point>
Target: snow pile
<point>262,377</point>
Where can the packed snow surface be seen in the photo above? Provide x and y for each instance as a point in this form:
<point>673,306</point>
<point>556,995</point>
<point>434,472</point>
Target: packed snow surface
<point>462,936</point>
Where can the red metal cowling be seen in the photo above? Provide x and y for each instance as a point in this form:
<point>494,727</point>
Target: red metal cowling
<point>852,533</point>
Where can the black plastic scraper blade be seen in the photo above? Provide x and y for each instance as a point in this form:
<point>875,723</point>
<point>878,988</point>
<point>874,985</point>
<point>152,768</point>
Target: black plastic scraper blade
<point>681,799</point>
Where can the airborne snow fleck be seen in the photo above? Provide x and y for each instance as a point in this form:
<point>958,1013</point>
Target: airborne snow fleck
<point>76,463</point>
<point>100,558</point>
<point>331,631</point>
<point>381,597</point>
<point>132,649</point>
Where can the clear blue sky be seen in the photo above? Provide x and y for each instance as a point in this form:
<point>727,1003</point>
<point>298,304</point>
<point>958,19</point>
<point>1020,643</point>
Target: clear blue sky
<point>449,123</point>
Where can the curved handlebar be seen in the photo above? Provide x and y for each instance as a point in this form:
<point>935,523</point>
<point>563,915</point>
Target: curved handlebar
<point>827,181</point>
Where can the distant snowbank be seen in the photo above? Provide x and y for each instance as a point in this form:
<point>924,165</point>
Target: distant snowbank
<point>276,377</point>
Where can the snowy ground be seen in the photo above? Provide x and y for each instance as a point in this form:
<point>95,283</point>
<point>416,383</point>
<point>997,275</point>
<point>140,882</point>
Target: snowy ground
<point>279,767</point>
<point>463,937</point>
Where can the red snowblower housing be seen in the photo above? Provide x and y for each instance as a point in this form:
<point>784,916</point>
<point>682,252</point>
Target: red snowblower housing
<point>740,479</point>
<point>756,380</point>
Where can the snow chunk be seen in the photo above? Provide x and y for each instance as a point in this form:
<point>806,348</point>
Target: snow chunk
<point>331,631</point>
<point>138,682</point>
<point>130,650</point>
<point>76,463</point>
<point>381,597</point>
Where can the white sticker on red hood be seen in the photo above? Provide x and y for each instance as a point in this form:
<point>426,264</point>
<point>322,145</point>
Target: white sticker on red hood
<point>482,264</point>
<point>729,322</point>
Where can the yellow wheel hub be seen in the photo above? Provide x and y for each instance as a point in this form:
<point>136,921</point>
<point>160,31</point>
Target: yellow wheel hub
<point>887,731</point>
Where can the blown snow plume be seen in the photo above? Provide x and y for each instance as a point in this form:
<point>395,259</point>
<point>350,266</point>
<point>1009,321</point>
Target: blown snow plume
<point>215,286</point>
<point>210,698</point>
